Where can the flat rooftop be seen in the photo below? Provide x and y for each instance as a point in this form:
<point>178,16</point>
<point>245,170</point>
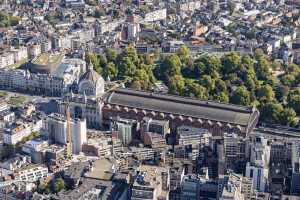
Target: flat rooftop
<point>102,170</point>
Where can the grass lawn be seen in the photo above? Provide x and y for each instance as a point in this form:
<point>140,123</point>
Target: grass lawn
<point>46,59</point>
<point>18,64</point>
<point>3,94</point>
<point>17,100</point>
<point>43,59</point>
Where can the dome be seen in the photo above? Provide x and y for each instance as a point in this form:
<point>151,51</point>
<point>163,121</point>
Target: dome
<point>91,83</point>
<point>92,76</point>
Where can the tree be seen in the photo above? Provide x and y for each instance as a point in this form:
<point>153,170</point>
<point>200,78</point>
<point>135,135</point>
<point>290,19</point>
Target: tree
<point>176,84</point>
<point>126,68</point>
<point>288,80</point>
<point>147,59</point>
<point>183,53</point>
<point>130,52</point>
<point>110,71</point>
<point>221,97</point>
<point>266,93</point>
<point>111,55</point>
<point>258,54</point>
<point>207,65</point>
<point>271,112</point>
<point>170,66</point>
<point>59,184</point>
<point>294,100</point>
<point>220,85</point>
<point>288,117</point>
<point>234,79</point>
<point>207,82</point>
<point>250,83</point>
<point>142,77</point>
<point>231,62</point>
<point>41,188</point>
<point>262,68</point>
<point>293,68</point>
<point>196,90</point>
<point>281,92</point>
<point>241,96</point>
<point>95,60</point>
<point>247,62</point>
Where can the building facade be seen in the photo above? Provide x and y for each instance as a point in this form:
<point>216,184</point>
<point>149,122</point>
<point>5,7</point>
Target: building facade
<point>217,118</point>
<point>57,130</point>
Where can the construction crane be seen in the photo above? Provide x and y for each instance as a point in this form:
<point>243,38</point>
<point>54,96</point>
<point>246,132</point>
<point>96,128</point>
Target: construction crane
<point>68,150</point>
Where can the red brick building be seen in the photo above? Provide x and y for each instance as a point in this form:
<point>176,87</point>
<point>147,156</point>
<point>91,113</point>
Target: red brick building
<point>218,118</point>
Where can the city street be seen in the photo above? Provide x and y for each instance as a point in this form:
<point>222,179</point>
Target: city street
<point>45,104</point>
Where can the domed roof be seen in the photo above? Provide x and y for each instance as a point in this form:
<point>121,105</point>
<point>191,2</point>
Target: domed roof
<point>91,75</point>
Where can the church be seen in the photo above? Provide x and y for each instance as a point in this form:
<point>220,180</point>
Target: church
<point>99,107</point>
<point>86,103</point>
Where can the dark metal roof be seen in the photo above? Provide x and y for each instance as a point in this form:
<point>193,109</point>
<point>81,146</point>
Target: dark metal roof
<point>91,75</point>
<point>182,106</point>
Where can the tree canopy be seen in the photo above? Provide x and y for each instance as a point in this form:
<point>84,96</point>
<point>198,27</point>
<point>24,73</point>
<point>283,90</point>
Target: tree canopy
<point>246,80</point>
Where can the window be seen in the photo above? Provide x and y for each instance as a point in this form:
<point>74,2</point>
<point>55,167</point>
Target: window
<point>251,173</point>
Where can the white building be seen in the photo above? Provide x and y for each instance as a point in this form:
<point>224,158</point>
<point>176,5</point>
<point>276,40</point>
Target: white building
<point>132,30</point>
<point>6,59</point>
<point>190,6</point>
<point>106,26</point>
<point>156,15</point>
<point>17,132</point>
<point>34,145</point>
<point>143,153</point>
<point>33,174</point>
<point>6,117</point>
<point>20,54</point>
<point>258,167</point>
<point>91,83</point>
<point>188,135</point>
<point>57,129</point>
<point>53,83</point>
<point>259,176</point>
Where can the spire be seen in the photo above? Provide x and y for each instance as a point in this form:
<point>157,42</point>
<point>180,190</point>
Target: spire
<point>90,66</point>
<point>84,96</point>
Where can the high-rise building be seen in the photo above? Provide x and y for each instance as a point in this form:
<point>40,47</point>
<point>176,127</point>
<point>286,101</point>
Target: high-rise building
<point>235,149</point>
<point>57,129</point>
<point>125,129</point>
<point>259,176</point>
<point>295,185</point>
<point>156,126</point>
<point>258,167</point>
